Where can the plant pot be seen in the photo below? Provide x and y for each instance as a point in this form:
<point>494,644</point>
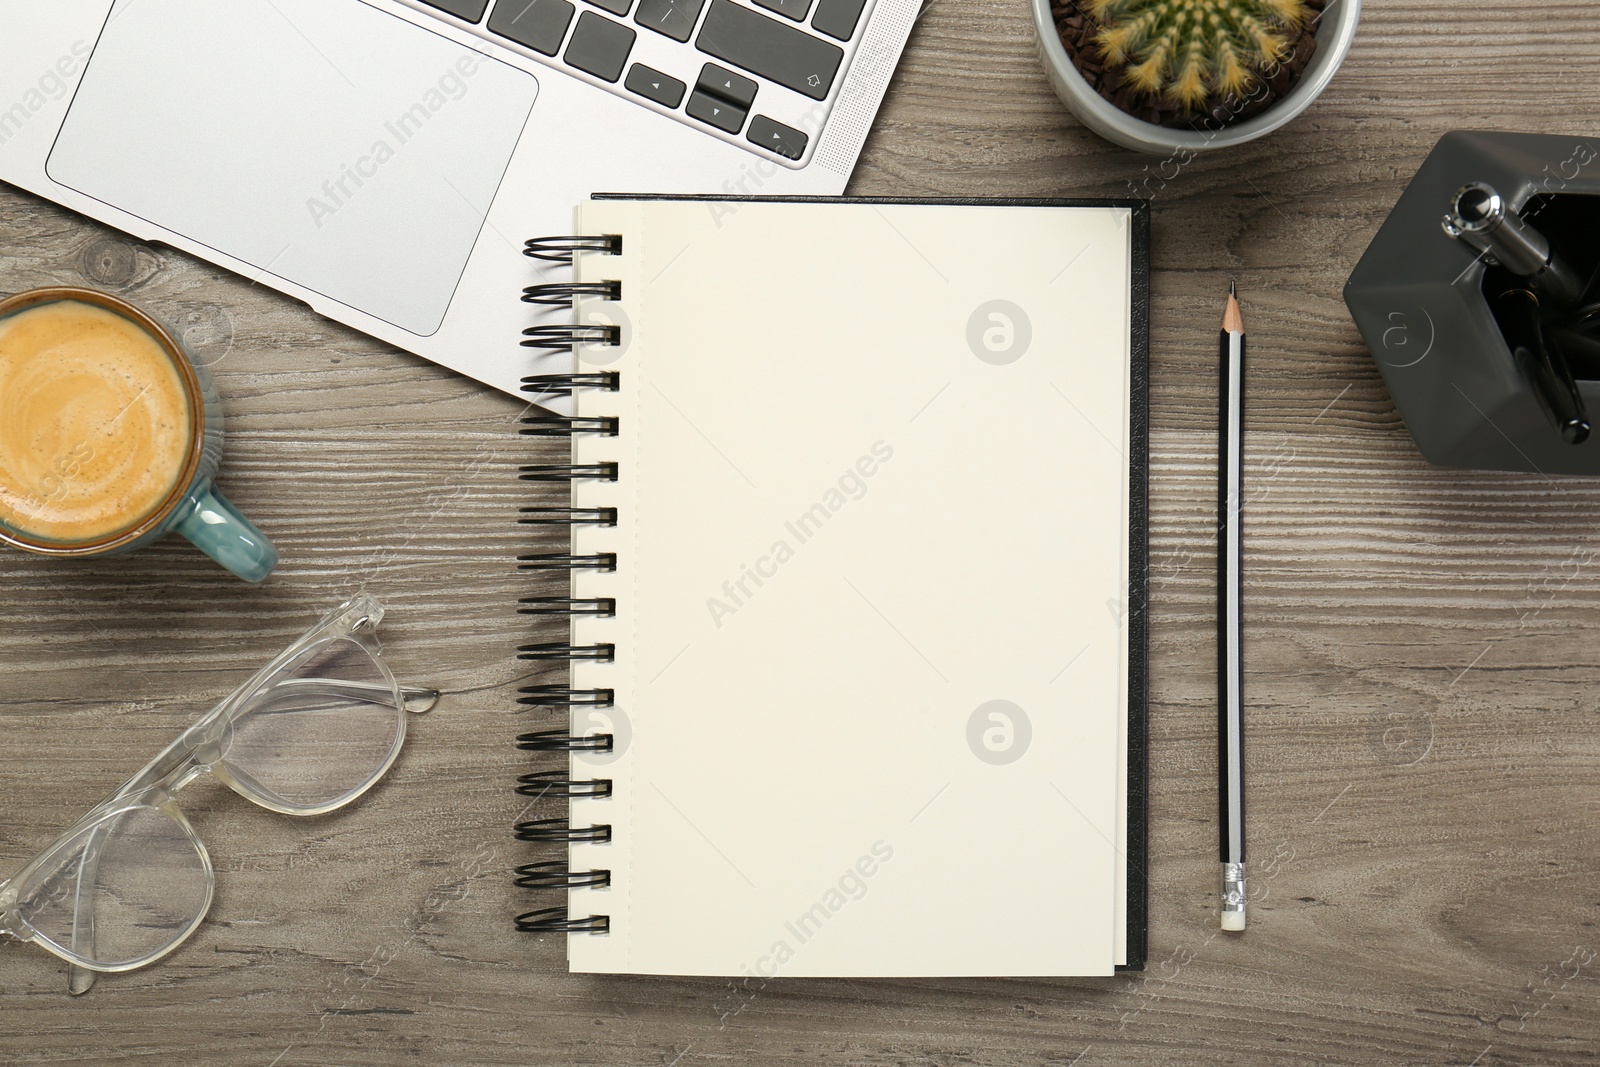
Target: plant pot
<point>1337,30</point>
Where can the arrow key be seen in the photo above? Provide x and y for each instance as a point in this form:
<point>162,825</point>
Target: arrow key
<point>654,85</point>
<point>777,138</point>
<point>715,111</point>
<point>734,88</point>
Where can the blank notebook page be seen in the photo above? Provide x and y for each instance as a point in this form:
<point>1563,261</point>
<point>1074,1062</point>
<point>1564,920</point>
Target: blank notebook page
<point>872,543</point>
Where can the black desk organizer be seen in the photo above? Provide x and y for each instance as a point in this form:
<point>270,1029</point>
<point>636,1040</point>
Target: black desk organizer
<point>1422,302</point>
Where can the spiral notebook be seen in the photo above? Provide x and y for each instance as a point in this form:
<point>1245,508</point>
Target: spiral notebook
<point>857,589</point>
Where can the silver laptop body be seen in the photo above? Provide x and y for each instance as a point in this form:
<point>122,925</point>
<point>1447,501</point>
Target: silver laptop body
<point>384,160</point>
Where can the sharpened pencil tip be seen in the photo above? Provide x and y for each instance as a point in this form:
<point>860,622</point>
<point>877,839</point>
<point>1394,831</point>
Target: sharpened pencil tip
<point>1233,289</point>
<point>1232,317</point>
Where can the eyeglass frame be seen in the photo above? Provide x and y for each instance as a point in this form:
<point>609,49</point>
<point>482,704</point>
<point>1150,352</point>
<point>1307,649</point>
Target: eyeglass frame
<point>198,749</point>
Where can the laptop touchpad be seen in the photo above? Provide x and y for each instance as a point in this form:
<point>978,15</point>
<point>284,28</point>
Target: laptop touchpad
<point>324,141</point>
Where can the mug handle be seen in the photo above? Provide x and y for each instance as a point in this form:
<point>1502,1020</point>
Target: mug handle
<point>216,528</point>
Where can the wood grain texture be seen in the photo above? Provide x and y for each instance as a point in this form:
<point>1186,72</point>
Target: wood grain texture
<point>1424,747</point>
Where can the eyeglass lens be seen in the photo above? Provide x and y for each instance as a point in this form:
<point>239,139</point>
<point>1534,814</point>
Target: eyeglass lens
<point>143,880</point>
<point>319,731</point>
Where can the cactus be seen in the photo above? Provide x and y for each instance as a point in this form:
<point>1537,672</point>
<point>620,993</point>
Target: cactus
<point>1192,50</point>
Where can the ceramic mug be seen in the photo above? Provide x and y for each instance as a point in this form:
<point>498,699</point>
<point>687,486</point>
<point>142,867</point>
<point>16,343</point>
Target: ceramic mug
<point>59,436</point>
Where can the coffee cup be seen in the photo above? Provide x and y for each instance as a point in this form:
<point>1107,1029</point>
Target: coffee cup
<point>110,435</point>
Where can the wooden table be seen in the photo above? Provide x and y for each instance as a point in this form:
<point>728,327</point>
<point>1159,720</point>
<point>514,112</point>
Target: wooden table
<point>1424,761</point>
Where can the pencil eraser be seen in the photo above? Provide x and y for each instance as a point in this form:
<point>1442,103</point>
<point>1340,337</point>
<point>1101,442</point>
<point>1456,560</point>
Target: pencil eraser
<point>1233,921</point>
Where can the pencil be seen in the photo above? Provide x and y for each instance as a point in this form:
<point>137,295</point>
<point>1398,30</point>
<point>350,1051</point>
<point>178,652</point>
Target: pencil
<point>1230,726</point>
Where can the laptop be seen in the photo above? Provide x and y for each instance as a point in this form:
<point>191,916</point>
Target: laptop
<point>383,161</point>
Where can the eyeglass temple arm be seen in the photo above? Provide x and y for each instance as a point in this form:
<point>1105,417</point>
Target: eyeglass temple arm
<point>80,979</point>
<point>417,699</point>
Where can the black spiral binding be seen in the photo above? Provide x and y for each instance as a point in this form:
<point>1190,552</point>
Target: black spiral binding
<point>541,784</point>
<point>567,425</point>
<point>561,830</point>
<point>546,516</point>
<point>567,605</point>
<point>556,561</point>
<point>556,876</point>
<point>561,741</point>
<point>561,294</point>
<point>562,650</point>
<point>548,386</point>
<point>568,472</point>
<point>560,337</point>
<point>561,696</point>
<point>556,921</point>
<point>561,249</point>
<point>558,785</point>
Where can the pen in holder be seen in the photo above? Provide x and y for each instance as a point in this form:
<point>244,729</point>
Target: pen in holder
<point>1478,299</point>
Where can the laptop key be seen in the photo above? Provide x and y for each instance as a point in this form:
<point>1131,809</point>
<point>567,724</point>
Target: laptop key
<point>789,9</point>
<point>675,18</point>
<point>536,24</point>
<point>769,48</point>
<point>654,85</point>
<point>734,88</point>
<point>838,18</point>
<point>470,10</point>
<point>786,141</point>
<point>715,111</point>
<point>600,46</point>
<point>616,7</point>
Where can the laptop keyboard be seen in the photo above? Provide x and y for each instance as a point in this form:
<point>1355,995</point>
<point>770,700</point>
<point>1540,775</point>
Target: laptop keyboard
<point>761,72</point>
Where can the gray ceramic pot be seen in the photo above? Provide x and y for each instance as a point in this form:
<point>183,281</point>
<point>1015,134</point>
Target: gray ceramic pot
<point>1338,29</point>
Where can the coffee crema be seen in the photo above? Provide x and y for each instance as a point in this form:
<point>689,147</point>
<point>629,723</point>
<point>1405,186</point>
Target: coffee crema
<point>95,423</point>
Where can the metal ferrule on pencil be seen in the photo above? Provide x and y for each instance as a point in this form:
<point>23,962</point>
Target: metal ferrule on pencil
<point>1233,896</point>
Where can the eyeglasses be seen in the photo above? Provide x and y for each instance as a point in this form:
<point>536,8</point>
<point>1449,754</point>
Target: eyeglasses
<point>308,733</point>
